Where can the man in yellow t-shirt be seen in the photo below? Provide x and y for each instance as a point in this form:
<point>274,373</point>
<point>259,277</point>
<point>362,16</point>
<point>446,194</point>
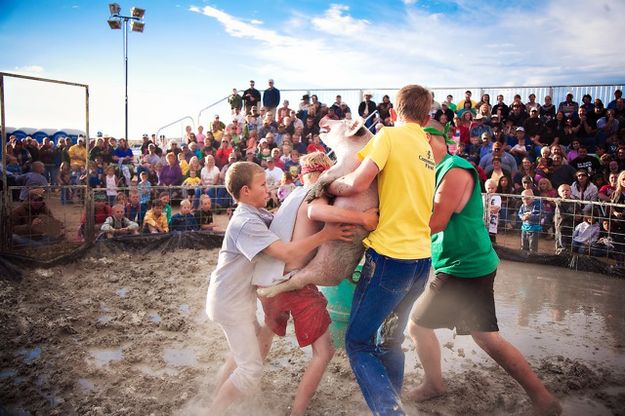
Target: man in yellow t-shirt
<point>397,259</point>
<point>78,155</point>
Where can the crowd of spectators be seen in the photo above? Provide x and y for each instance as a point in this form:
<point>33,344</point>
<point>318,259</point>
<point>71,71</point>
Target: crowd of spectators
<point>572,150</point>
<point>541,149</point>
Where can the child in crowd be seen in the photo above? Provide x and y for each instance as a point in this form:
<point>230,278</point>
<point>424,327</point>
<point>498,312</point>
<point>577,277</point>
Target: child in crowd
<point>99,168</point>
<point>64,180</point>
<point>144,187</point>
<point>545,190</point>
<point>184,165</point>
<point>118,224</point>
<point>204,215</point>
<point>231,299</point>
<point>165,199</point>
<point>112,183</point>
<point>184,220</point>
<point>586,233</point>
<point>492,206</point>
<point>192,182</point>
<point>91,176</point>
<point>133,209</point>
<point>564,218</point>
<point>155,221</point>
<point>13,166</point>
<point>605,244</point>
<point>529,213</point>
<point>101,212</point>
<point>286,186</point>
<point>121,199</point>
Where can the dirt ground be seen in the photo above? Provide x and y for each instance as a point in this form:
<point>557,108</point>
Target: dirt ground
<point>127,335</point>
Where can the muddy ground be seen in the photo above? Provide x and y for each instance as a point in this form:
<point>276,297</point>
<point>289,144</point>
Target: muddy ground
<point>127,335</point>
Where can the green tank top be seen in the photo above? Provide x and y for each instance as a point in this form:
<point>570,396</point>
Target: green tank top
<point>463,249</point>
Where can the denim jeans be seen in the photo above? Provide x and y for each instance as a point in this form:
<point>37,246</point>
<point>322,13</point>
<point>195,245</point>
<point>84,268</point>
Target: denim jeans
<point>382,301</point>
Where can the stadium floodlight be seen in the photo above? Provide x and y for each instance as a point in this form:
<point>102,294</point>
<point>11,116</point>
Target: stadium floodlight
<point>114,23</point>
<point>114,8</point>
<point>136,25</point>
<point>137,12</point>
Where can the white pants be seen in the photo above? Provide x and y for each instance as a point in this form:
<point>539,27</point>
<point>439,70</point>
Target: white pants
<point>244,347</point>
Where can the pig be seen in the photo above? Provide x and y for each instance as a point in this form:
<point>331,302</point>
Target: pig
<point>336,260</point>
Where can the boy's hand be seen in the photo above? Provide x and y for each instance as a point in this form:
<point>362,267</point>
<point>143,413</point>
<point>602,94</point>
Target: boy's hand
<point>336,231</point>
<point>370,219</point>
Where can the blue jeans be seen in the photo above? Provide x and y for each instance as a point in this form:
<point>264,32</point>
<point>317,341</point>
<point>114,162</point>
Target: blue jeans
<point>382,301</point>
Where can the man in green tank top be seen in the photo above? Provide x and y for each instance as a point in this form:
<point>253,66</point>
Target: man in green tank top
<point>460,294</point>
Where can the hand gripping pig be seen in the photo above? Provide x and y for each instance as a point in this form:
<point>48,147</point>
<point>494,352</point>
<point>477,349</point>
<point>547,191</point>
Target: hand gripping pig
<point>336,260</point>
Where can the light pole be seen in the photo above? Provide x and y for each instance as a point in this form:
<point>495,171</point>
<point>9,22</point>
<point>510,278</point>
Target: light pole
<point>137,24</point>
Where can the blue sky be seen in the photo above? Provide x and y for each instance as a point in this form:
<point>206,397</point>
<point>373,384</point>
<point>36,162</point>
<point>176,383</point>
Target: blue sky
<point>193,53</point>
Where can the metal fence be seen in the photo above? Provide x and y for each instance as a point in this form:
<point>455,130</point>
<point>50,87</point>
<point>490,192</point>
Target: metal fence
<point>558,226</point>
<point>555,225</point>
<point>67,221</point>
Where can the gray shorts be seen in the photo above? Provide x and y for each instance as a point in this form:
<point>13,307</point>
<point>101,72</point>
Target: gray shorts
<point>466,304</point>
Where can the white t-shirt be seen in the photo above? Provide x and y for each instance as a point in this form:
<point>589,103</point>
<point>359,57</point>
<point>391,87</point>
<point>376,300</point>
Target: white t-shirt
<point>492,217</point>
<point>210,176</point>
<point>274,177</point>
<point>111,185</point>
<point>231,297</point>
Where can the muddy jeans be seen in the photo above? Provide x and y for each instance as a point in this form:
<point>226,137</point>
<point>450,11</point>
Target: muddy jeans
<point>382,301</point>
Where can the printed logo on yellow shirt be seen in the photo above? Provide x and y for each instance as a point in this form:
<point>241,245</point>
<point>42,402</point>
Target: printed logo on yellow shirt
<point>428,161</point>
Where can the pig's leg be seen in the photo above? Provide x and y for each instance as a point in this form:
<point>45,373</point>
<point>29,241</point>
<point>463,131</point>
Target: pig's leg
<point>319,188</point>
<point>332,263</point>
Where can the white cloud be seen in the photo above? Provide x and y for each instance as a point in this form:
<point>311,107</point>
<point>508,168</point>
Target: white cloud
<point>256,22</point>
<point>409,2</point>
<point>27,70</point>
<point>334,21</point>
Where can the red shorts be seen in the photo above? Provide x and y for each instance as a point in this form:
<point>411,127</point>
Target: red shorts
<point>308,308</point>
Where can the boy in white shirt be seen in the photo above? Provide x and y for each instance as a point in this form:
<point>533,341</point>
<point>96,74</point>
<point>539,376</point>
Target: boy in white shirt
<point>231,298</point>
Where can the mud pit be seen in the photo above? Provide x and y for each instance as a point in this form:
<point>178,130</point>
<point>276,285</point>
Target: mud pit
<point>127,335</point>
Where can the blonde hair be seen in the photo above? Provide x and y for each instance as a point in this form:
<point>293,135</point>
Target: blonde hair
<point>490,181</point>
<point>186,203</point>
<point>547,181</point>
<point>241,174</point>
<point>414,103</point>
<point>315,158</point>
<point>616,196</point>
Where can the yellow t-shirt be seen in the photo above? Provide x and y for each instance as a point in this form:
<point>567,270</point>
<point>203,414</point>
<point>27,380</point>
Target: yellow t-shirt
<point>192,181</point>
<point>406,189</point>
<point>184,166</point>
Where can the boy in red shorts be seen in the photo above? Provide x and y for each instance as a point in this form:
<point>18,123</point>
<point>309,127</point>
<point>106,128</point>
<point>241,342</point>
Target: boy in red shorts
<point>295,220</point>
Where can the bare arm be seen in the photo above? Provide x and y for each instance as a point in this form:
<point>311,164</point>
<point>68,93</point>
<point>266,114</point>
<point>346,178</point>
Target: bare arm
<point>287,251</point>
<point>357,181</point>
<point>451,196</point>
<point>320,210</point>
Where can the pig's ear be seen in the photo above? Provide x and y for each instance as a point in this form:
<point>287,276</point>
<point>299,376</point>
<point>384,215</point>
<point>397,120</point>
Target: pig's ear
<point>354,125</point>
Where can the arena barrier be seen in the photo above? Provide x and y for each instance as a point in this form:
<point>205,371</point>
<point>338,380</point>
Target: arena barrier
<point>76,232</point>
